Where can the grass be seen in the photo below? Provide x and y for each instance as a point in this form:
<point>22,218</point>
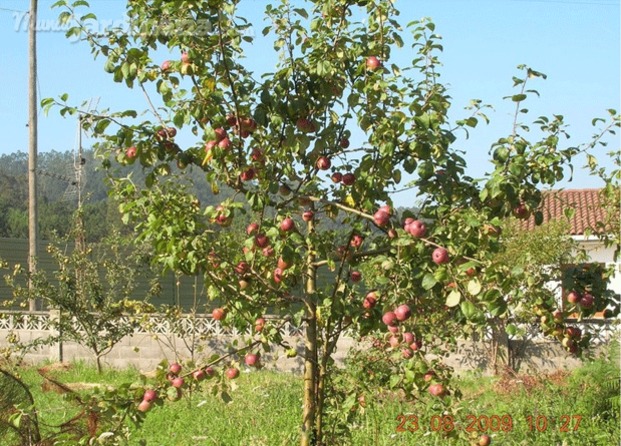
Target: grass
<point>266,410</point>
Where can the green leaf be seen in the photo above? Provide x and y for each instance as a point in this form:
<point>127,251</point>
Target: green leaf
<point>468,309</point>
<point>453,299</point>
<point>429,281</point>
<point>474,287</point>
<point>518,97</point>
<point>394,381</point>
<point>498,308</point>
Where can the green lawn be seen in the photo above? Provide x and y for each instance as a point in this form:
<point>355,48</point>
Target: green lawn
<point>266,410</point>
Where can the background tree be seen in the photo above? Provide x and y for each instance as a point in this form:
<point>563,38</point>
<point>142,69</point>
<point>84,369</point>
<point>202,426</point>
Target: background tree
<point>92,289</point>
<point>326,135</point>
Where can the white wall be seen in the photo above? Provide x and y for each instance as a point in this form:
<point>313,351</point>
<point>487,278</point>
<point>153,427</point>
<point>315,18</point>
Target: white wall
<point>602,254</point>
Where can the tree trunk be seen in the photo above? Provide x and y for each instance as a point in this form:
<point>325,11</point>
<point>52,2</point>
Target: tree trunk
<point>311,365</point>
<point>310,379</point>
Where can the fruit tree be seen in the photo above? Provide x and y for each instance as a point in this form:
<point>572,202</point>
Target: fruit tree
<point>313,149</point>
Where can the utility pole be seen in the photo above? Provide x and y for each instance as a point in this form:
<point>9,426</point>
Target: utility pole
<point>33,251</point>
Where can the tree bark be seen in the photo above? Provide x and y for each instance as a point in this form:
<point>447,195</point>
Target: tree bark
<point>308,437</point>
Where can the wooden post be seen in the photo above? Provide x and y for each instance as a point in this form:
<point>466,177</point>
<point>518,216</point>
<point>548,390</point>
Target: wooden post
<point>32,151</point>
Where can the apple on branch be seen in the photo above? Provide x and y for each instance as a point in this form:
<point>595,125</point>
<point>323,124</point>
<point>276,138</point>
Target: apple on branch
<point>373,63</point>
<point>437,389</point>
<point>308,215</point>
<point>287,224</point>
<point>403,312</point>
<point>232,373</point>
<point>349,179</point>
<point>323,163</point>
<point>174,368</point>
<point>370,300</point>
<point>218,314</point>
<point>440,256</point>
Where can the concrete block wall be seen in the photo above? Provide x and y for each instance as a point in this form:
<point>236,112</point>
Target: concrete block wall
<point>144,351</point>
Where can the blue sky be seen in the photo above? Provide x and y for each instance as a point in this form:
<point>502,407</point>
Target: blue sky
<point>575,42</point>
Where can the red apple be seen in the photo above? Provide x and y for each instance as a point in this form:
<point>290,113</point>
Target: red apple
<point>308,215</point>
<point>185,58</point>
<point>386,208</point>
<point>373,63</point>
<point>257,156</point>
<point>177,382</point>
<point>218,314</point>
<point>252,228</point>
<point>209,372</point>
<point>166,65</point>
<point>220,133</point>
<point>381,218</point>
<point>131,152</point>
<point>417,229</point>
<point>174,368</point>
<point>587,300</point>
<point>251,359</point>
<point>199,375</point>
<point>408,337</point>
<point>268,251</point>
<point>416,345</point>
<point>224,144</point>
<point>356,241</point>
<point>231,120</point>
<point>390,318</point>
<point>436,389</point>
<point>232,373</point>
<point>287,224</point>
<point>429,376</point>
<point>278,273</point>
<point>337,177</point>
<point>259,324</point>
<point>393,329</point>
<point>370,300</point>
<point>344,143</point>
<point>406,353</point>
<point>440,256</point>
<point>349,179</point>
<point>242,268</point>
<point>485,440</point>
<point>305,125</point>
<point>282,264</point>
<point>521,211</point>
<point>261,240</point>
<point>403,312</point>
<point>573,332</point>
<point>323,163</point>
<point>355,276</point>
<point>573,297</point>
<point>248,174</point>
<point>144,405</point>
<point>248,125</point>
<point>150,395</point>
<point>394,341</point>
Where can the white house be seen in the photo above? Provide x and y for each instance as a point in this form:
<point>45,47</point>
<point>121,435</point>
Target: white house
<point>584,225</point>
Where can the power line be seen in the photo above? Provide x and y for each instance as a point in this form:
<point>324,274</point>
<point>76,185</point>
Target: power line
<point>13,10</point>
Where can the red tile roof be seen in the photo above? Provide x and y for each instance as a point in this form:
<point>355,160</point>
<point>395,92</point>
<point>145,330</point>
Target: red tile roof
<point>585,203</point>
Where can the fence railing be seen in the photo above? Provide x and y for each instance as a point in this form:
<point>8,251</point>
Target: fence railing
<point>150,324</point>
<point>601,331</point>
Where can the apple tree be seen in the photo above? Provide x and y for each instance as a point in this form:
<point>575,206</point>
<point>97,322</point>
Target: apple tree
<point>313,150</point>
